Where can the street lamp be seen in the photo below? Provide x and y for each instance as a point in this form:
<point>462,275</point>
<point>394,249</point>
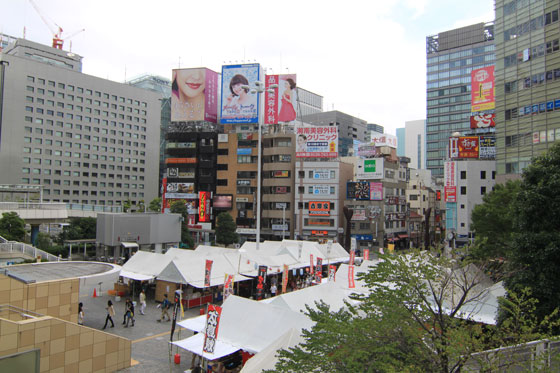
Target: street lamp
<point>259,88</point>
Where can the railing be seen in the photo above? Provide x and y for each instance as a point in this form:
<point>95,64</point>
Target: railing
<point>57,206</point>
<point>19,247</point>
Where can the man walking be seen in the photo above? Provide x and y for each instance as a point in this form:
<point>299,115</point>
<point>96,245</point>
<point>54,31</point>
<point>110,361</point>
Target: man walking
<point>164,308</point>
<point>142,302</point>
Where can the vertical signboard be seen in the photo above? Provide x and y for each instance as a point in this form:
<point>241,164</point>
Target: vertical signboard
<point>194,95</point>
<point>211,329</point>
<point>261,279</point>
<point>321,142</point>
<point>203,206</point>
<point>319,270</point>
<point>285,279</point>
<point>449,173</point>
<point>332,272</point>
<point>351,283</point>
<point>280,105</point>
<point>239,105</point>
<point>366,254</point>
<point>228,285</point>
<point>207,273</point>
<point>311,267</point>
<point>468,147</point>
<point>482,89</point>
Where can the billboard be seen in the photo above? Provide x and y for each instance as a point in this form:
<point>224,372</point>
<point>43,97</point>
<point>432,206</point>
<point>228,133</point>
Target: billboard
<point>368,150</point>
<point>380,139</point>
<point>194,95</point>
<point>364,191</point>
<point>321,189</point>
<point>321,142</point>
<point>483,121</point>
<point>319,208</point>
<point>203,206</point>
<point>180,188</point>
<point>370,169</point>
<point>450,171</point>
<point>222,201</point>
<point>482,89</point>
<point>281,104</point>
<point>239,105</point>
<point>463,147</point>
<point>487,147</point>
<point>450,194</point>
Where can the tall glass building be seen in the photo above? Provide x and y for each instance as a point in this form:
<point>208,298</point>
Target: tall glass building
<point>451,56</point>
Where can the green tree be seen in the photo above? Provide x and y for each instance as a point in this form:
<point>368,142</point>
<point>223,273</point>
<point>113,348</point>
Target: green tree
<point>44,241</point>
<point>155,205</point>
<point>126,205</point>
<point>179,207</point>
<point>493,222</point>
<point>78,229</point>
<point>225,229</point>
<point>141,207</point>
<point>536,245</point>
<point>12,227</point>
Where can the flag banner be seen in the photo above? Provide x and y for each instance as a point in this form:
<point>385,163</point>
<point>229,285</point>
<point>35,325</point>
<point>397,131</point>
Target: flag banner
<point>207,273</point>
<point>211,330</point>
<point>285,279</point>
<point>332,273</point>
<point>351,284</point>
<point>311,263</point>
<point>261,280</point>
<point>177,301</point>
<point>366,254</point>
<point>319,270</point>
<point>352,257</point>
<point>228,285</point>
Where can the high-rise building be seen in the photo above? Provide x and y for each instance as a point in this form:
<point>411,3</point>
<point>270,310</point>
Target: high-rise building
<point>401,141</point>
<point>411,143</point>
<point>375,128</point>
<point>308,102</point>
<point>527,82</point>
<point>451,56</point>
<point>86,140</point>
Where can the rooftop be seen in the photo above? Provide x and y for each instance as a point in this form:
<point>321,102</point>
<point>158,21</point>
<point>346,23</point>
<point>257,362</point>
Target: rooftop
<point>42,272</point>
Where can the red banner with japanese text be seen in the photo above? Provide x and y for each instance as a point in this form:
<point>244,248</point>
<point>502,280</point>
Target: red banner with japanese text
<point>285,279</point>
<point>211,329</point>
<point>311,266</point>
<point>319,270</point>
<point>351,283</point>
<point>366,254</point>
<point>228,285</point>
<point>261,280</point>
<point>207,273</point>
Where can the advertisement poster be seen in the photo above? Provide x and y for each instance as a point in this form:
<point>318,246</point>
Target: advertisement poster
<point>368,150</point>
<point>207,273</point>
<point>358,190</point>
<point>203,206</point>
<point>487,147</point>
<point>359,214</point>
<point>376,191</point>
<point>261,280</point>
<point>468,147</point>
<point>239,105</point>
<point>321,142</point>
<point>280,105</point>
<point>450,194</point>
<point>194,95</point>
<point>370,169</point>
<point>482,89</point>
<point>483,121</point>
<point>180,188</point>
<point>380,139</point>
<point>211,329</point>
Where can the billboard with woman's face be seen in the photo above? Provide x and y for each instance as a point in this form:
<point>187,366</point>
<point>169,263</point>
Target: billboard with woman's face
<point>194,95</point>
<point>239,105</point>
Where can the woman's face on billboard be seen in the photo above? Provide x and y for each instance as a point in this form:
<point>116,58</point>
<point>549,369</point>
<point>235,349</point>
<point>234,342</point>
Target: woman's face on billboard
<point>191,82</point>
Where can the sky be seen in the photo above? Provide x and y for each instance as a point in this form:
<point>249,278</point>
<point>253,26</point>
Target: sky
<point>366,58</point>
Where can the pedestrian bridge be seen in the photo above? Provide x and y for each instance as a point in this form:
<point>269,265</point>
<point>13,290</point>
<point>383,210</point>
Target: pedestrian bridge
<point>54,212</point>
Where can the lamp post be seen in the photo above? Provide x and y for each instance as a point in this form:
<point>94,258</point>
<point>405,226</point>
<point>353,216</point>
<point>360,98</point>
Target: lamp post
<point>259,88</point>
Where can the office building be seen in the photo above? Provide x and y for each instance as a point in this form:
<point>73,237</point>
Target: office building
<point>527,82</point>
<point>411,143</point>
<point>451,56</point>
<point>308,102</point>
<point>86,140</point>
<point>375,128</point>
<point>401,141</point>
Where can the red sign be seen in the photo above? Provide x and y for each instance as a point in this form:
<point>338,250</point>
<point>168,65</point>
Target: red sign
<point>260,281</point>
<point>351,284</point>
<point>483,121</point>
<point>438,195</point>
<point>285,279</point>
<point>203,206</point>
<point>319,208</point>
<point>319,233</point>
<point>271,100</point>
<point>228,286</point>
<point>366,254</point>
<point>482,89</point>
<point>311,268</point>
<point>468,147</point>
<point>319,270</point>
<point>207,273</point>
<point>352,256</point>
<point>450,194</point>
<point>211,330</point>
<point>163,195</point>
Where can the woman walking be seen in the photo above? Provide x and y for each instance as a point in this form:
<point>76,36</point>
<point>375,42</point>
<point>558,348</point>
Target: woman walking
<point>110,314</point>
<point>81,314</point>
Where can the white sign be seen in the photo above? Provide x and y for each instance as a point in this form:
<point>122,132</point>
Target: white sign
<point>246,231</point>
<point>241,199</point>
<point>279,227</point>
<point>321,174</point>
<point>380,139</point>
<point>321,189</point>
<point>450,174</point>
<point>370,169</point>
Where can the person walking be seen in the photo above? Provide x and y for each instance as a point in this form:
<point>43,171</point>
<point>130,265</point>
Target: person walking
<point>129,314</point>
<point>164,308</point>
<point>142,302</point>
<point>110,314</point>
<point>81,314</point>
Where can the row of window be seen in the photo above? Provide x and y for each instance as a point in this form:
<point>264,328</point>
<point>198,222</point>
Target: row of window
<point>533,109</point>
<point>450,108</point>
<point>450,91</point>
<point>532,53</point>
<point>455,55</point>
<point>532,81</point>
<point>464,71</point>
<point>449,100</point>
<point>87,91</point>
<point>454,81</point>
<point>79,99</point>
<point>78,155</point>
<point>81,127</point>
<point>532,25</point>
<point>515,5</point>
<point>47,171</point>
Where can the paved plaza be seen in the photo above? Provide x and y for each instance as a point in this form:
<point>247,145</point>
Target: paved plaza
<point>150,347</point>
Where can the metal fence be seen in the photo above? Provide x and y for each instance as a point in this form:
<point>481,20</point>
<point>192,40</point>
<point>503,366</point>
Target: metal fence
<point>57,206</point>
<point>19,247</point>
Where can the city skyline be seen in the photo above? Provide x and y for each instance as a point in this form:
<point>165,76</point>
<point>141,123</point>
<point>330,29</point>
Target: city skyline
<point>367,87</point>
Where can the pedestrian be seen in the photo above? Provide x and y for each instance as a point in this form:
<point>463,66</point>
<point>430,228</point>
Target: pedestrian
<point>164,308</point>
<point>129,313</point>
<point>110,314</point>
<point>81,314</point>
<point>142,302</point>
<point>273,289</point>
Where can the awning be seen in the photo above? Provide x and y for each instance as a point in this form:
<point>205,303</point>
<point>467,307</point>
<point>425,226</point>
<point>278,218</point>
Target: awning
<point>194,345</point>
<point>196,324</point>
<point>393,239</point>
<point>403,235</point>
<point>129,245</point>
<point>135,276</point>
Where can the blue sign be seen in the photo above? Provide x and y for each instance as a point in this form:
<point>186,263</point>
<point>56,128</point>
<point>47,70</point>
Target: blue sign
<point>535,108</point>
<point>542,107</point>
<point>363,237</point>
<point>244,151</point>
<point>550,105</point>
<point>556,104</point>
<point>527,110</point>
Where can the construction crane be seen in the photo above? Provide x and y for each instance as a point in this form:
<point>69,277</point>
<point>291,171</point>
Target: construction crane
<point>58,40</point>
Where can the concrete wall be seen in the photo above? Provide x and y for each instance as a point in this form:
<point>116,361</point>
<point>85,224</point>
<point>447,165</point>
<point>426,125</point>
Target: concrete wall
<point>145,229</point>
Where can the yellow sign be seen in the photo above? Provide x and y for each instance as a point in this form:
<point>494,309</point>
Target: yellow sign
<point>391,247</point>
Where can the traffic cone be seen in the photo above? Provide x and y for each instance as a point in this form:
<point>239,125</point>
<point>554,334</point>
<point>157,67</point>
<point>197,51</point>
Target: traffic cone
<point>94,292</point>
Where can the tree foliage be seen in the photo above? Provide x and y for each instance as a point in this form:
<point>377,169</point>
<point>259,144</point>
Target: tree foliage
<point>44,241</point>
<point>535,253</point>
<point>12,227</point>
<point>493,222</point>
<point>155,205</point>
<point>179,207</point>
<point>78,229</point>
<point>225,229</point>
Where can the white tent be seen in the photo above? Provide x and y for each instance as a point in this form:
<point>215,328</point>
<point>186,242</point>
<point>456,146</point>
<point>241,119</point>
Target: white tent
<point>267,358</point>
<point>144,266</point>
<point>329,293</point>
<point>250,325</point>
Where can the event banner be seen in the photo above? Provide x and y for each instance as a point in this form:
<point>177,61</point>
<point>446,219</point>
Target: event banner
<point>211,329</point>
<point>319,270</point>
<point>203,206</point>
<point>239,105</point>
<point>228,285</point>
<point>281,103</point>
<point>351,283</point>
<point>285,279</point>
<point>332,272</point>
<point>311,266</point>
<point>194,95</point>
<point>482,89</point>
<point>261,280</point>
<point>208,273</point>
<point>366,254</point>
<point>320,142</point>
<point>483,121</point>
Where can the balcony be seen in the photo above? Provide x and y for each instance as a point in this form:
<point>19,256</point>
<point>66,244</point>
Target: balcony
<point>207,164</point>
<point>207,149</point>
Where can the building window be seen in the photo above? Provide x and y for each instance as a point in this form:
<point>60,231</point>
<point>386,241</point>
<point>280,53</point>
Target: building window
<point>463,190</point>
<point>463,175</point>
<point>482,190</point>
<point>482,175</point>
